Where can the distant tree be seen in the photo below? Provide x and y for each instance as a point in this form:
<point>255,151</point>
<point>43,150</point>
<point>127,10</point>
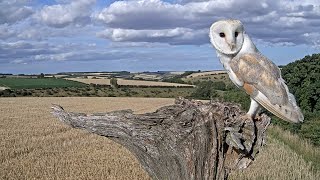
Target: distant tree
<point>178,78</point>
<point>114,82</point>
<point>237,96</point>
<point>219,85</point>
<point>187,73</point>
<point>174,79</point>
<point>41,75</point>
<point>205,90</point>
<point>303,77</point>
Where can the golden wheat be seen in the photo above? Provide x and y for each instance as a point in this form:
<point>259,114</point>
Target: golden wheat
<point>128,82</point>
<point>208,73</point>
<point>309,152</point>
<point>35,145</point>
<point>277,161</point>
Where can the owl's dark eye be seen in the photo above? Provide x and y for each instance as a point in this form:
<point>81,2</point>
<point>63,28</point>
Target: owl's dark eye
<point>222,34</point>
<point>236,34</point>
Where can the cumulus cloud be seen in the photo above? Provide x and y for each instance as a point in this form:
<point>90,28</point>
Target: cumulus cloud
<point>151,14</point>
<point>170,36</point>
<point>21,52</point>
<point>75,12</point>
<point>54,57</point>
<point>157,14</point>
<point>267,20</point>
<point>11,51</point>
<point>14,11</point>
<point>188,1</point>
<point>32,33</point>
<point>77,30</point>
<point>6,32</point>
<point>314,38</point>
<point>118,44</point>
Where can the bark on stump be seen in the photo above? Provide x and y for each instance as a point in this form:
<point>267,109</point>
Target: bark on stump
<point>187,140</point>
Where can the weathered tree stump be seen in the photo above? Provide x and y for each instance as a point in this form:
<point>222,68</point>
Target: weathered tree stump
<point>187,140</point>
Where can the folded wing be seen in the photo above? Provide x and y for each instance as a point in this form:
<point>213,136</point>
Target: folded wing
<point>263,82</point>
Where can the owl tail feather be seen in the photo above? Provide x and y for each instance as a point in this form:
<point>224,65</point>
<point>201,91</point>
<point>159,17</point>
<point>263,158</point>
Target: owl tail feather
<point>289,112</point>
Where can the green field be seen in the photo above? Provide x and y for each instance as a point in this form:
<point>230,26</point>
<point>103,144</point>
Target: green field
<point>32,83</point>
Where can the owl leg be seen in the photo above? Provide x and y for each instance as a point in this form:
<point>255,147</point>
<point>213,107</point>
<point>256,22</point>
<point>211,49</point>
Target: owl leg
<point>254,108</point>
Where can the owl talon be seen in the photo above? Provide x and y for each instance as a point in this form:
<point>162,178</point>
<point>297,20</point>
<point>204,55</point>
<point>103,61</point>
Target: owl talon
<point>246,118</point>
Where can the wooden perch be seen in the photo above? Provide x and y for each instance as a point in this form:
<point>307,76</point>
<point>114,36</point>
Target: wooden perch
<point>187,140</point>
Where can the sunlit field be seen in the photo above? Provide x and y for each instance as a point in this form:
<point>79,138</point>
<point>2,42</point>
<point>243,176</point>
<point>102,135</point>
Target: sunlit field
<point>35,145</point>
<point>126,82</point>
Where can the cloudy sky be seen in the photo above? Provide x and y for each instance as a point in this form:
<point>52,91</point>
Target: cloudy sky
<point>146,35</point>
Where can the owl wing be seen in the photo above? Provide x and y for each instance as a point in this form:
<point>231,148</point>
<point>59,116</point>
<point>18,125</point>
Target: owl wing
<point>263,82</point>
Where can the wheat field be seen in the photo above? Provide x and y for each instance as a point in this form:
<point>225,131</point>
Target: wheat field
<point>35,145</point>
<point>207,73</point>
<point>127,82</point>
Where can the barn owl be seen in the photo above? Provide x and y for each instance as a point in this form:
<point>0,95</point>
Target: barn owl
<point>252,72</point>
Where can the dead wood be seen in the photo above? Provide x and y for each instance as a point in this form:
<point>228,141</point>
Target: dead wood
<point>187,140</point>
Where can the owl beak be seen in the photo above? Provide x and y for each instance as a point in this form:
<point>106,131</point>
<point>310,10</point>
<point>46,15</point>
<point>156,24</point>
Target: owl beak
<point>232,46</point>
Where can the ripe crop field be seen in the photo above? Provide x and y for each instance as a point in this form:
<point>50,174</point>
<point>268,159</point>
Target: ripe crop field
<point>31,83</point>
<point>208,73</point>
<point>208,76</point>
<point>35,145</point>
<point>128,82</point>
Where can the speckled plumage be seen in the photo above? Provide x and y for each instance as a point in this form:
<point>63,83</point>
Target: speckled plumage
<point>257,70</point>
<point>249,70</point>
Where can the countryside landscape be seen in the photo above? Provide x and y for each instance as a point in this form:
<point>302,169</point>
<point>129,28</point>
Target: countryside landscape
<point>35,145</point>
<point>97,56</point>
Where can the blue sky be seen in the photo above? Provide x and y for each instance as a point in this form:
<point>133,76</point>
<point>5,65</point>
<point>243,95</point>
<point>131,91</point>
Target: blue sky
<point>52,36</point>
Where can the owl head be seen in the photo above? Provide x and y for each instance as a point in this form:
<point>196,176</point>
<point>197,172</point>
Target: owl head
<point>227,36</point>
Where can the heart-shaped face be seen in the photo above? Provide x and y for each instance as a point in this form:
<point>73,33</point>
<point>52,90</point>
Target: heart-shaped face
<point>227,36</point>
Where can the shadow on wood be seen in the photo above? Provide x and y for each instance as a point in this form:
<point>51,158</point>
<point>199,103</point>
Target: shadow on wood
<point>187,140</point>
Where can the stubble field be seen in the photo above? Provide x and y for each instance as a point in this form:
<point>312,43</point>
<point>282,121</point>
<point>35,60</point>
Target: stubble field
<point>126,82</point>
<point>35,145</point>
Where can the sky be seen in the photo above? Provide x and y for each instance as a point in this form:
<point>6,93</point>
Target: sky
<point>50,36</point>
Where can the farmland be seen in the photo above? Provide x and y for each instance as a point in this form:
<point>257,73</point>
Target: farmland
<point>32,83</point>
<point>206,73</point>
<point>97,91</point>
<point>125,82</point>
<point>214,76</point>
<point>52,87</point>
<point>35,145</point>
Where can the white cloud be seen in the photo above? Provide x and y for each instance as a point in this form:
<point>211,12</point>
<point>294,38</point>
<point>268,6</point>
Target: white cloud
<point>144,28</point>
<point>314,38</point>
<point>156,14</point>
<point>14,11</point>
<point>17,45</point>
<point>76,12</point>
<point>281,22</point>
<point>146,14</point>
<point>136,44</point>
<point>54,57</point>
<point>188,1</point>
<point>6,32</point>
<point>170,36</point>
<point>31,33</point>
